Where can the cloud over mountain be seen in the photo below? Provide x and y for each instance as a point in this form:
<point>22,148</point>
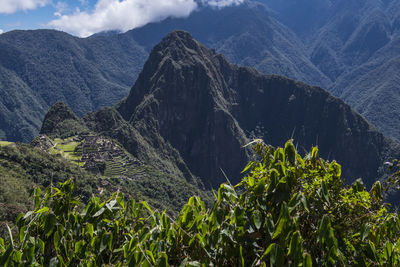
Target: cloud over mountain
<point>108,15</point>
<point>11,6</point>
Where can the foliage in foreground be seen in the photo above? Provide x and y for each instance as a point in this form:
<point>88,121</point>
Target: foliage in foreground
<point>288,211</point>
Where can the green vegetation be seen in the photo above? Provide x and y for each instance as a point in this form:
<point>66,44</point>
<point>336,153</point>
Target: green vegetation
<point>67,148</point>
<point>287,211</point>
<point>23,167</point>
<point>5,143</point>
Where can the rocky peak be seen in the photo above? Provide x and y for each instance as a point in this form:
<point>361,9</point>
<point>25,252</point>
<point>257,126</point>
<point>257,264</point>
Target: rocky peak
<point>207,108</point>
<point>61,120</point>
<point>182,94</point>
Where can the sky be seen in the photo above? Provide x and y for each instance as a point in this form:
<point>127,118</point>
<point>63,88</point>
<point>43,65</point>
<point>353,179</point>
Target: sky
<point>85,17</point>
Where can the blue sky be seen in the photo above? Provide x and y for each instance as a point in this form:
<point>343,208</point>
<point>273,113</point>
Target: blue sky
<point>86,17</point>
<point>38,17</point>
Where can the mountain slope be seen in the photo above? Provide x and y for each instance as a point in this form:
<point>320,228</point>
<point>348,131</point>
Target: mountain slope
<point>48,66</point>
<point>247,35</point>
<point>41,67</point>
<point>206,108</point>
<point>356,44</point>
<point>105,145</point>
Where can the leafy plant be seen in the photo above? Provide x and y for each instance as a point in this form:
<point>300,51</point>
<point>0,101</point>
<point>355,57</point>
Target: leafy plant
<point>287,211</point>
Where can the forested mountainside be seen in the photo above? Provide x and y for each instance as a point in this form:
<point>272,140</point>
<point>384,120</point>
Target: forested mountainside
<point>356,44</point>
<point>191,112</point>
<point>348,47</point>
<point>44,66</point>
<point>38,68</point>
<point>96,164</point>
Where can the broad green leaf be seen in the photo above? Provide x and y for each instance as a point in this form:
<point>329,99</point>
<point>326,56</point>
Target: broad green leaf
<point>307,261</point>
<point>147,206</point>
<point>29,213</point>
<point>99,212</point>
<point>50,224</point>
<point>2,247</point>
<point>44,209</point>
<point>248,166</point>
<point>275,255</point>
<point>364,231</point>
<point>56,240</point>
<point>257,219</point>
<point>41,245</point>
<point>295,247</point>
<point>90,229</point>
<point>22,231</point>
<point>290,152</point>
<point>17,256</point>
<point>78,246</point>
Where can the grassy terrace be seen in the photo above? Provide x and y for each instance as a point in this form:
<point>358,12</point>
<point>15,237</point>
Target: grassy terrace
<point>5,143</point>
<point>66,147</point>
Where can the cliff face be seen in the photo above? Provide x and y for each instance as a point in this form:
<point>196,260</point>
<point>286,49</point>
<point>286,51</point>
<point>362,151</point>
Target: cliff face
<point>207,109</point>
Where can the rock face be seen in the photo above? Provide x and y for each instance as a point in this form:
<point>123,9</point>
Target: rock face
<point>207,108</point>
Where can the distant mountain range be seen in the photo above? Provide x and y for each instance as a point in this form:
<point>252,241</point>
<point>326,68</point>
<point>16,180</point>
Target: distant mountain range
<point>348,47</point>
<point>42,67</point>
<point>356,44</point>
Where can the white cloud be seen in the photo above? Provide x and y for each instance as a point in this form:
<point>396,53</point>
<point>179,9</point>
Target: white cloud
<point>61,7</point>
<point>11,6</point>
<point>123,15</point>
<point>1,31</point>
<point>222,3</point>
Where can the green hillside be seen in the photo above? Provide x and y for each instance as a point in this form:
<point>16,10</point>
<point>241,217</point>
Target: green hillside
<point>50,161</point>
<point>287,211</point>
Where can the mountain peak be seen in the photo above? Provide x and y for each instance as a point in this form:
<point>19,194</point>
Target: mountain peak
<point>180,46</point>
<point>178,39</point>
<point>60,120</point>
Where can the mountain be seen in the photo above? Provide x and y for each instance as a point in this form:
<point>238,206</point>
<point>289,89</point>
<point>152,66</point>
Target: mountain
<point>191,112</point>
<point>246,34</point>
<point>348,47</point>
<point>114,156</point>
<point>182,129</point>
<point>39,68</point>
<point>354,43</point>
<point>205,107</point>
<point>67,149</point>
